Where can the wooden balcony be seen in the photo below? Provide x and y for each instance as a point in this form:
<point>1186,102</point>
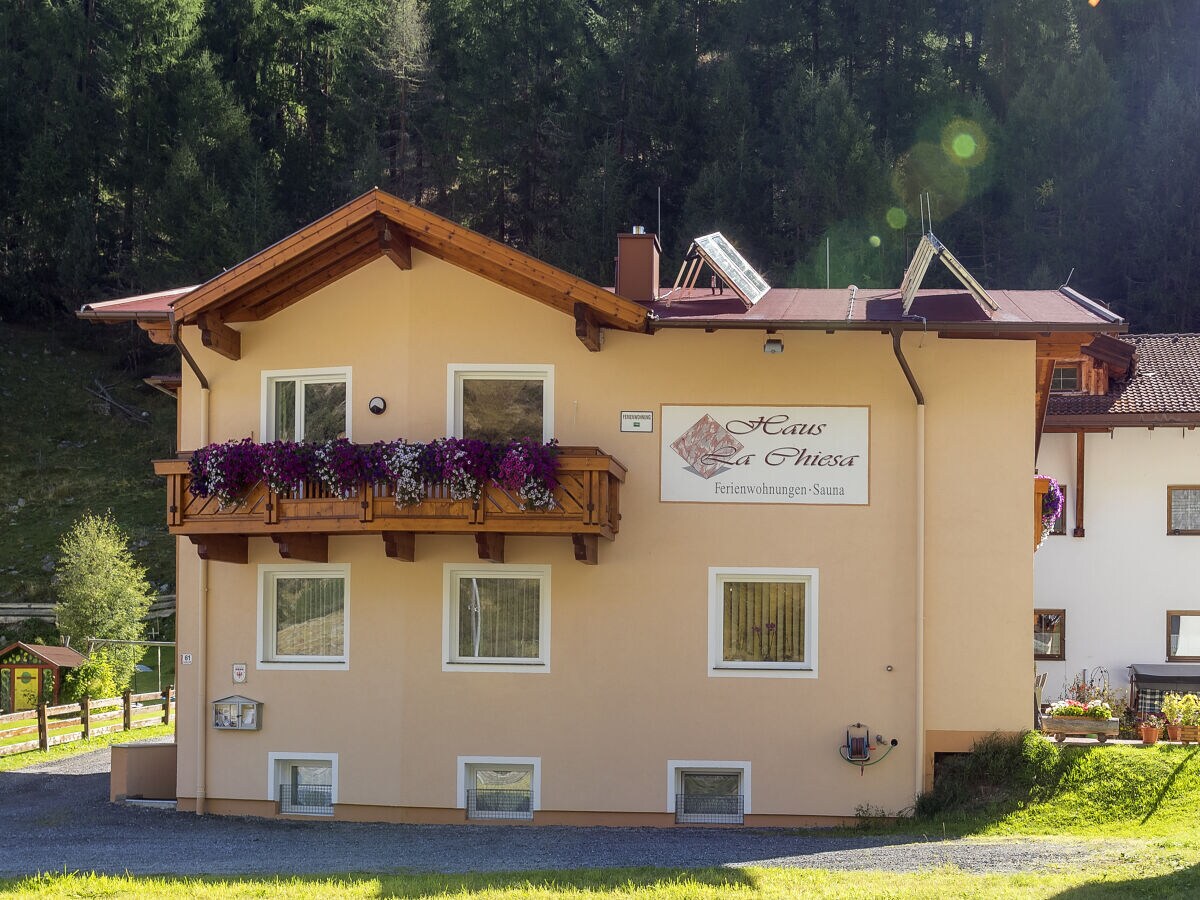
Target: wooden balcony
<point>586,508</point>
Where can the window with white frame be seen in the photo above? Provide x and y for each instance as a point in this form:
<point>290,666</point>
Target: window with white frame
<point>306,405</point>
<point>303,783</point>
<point>713,792</point>
<point>499,788</point>
<point>763,622</point>
<point>496,617</point>
<point>304,616</point>
<point>499,403</point>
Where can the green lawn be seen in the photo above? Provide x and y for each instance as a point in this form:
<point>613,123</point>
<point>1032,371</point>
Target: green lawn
<point>74,748</point>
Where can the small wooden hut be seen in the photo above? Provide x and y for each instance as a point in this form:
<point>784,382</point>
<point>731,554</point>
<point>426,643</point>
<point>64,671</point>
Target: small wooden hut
<point>31,673</point>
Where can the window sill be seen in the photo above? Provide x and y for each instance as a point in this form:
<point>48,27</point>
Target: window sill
<point>765,671</point>
<point>331,666</point>
<point>534,666</point>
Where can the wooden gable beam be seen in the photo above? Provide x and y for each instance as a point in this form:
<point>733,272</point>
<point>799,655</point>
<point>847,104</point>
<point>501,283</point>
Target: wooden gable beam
<point>158,332</point>
<point>219,337</point>
<point>394,244</point>
<point>587,329</point>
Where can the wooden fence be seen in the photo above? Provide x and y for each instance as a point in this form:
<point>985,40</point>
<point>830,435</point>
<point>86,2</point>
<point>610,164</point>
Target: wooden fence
<point>75,721</point>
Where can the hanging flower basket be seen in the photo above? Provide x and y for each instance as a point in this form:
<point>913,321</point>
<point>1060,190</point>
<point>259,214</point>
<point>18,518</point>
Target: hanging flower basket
<point>1049,499</point>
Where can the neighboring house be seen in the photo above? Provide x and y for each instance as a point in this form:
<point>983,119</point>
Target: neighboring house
<point>808,521</point>
<point>1120,582</point>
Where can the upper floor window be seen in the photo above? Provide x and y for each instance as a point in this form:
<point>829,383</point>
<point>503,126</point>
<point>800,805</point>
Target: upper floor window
<point>1183,509</point>
<point>1060,524</point>
<point>763,622</point>
<point>499,403</point>
<point>306,405</point>
<point>1066,378</point>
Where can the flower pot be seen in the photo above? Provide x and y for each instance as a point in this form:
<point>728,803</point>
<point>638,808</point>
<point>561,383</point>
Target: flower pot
<point>1064,726</point>
<point>1149,734</point>
<point>1173,732</point>
<point>1189,734</point>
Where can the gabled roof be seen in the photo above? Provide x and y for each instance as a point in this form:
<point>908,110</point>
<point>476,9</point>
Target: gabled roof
<point>60,657</point>
<point>1163,389</point>
<point>378,224</point>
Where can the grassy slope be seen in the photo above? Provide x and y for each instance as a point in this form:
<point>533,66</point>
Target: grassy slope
<point>62,456</point>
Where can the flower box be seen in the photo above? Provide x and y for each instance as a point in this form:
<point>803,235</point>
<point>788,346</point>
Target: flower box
<point>1080,726</point>
<point>1189,734</point>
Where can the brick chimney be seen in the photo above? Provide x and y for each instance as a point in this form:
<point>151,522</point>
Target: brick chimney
<point>637,265</point>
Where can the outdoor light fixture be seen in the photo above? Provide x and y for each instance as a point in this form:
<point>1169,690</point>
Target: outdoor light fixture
<point>773,345</point>
<point>377,405</point>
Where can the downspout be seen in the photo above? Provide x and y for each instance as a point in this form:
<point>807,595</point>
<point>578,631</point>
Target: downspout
<point>919,765</point>
<point>201,594</point>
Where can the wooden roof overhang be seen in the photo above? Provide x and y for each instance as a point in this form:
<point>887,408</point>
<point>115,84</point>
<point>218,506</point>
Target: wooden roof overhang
<point>378,224</point>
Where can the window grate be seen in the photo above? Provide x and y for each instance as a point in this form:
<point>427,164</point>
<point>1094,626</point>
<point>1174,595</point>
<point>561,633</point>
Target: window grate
<point>306,799</point>
<point>710,810</point>
<point>499,804</point>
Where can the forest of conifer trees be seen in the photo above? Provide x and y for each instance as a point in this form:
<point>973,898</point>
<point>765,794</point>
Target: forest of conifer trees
<point>150,143</point>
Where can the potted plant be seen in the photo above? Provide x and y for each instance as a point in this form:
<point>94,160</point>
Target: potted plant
<point>1189,727</point>
<point>1073,717</point>
<point>1150,728</point>
<point>1172,713</point>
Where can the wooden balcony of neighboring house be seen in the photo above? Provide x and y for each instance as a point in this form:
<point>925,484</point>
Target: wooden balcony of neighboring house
<point>586,509</point>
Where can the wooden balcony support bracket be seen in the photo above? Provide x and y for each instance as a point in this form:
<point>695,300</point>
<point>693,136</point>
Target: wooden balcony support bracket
<point>490,545</point>
<point>230,548</point>
<point>587,548</point>
<point>307,546</point>
<point>217,336</point>
<point>587,327</point>
<point>394,244</point>
<point>401,545</point>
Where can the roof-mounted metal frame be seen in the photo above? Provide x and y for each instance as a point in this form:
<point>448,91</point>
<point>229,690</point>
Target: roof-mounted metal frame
<point>929,248</point>
<point>723,258</point>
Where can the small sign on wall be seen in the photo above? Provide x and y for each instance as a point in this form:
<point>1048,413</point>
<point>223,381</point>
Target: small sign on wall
<point>239,673</point>
<point>185,659</point>
<point>637,420</point>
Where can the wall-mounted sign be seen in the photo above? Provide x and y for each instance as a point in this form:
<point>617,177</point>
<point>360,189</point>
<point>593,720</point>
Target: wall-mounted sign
<point>637,420</point>
<point>185,658</point>
<point>239,673</point>
<point>766,454</point>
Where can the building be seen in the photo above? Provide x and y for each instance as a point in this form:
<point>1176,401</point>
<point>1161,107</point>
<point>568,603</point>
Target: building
<point>1116,585</point>
<point>33,673</point>
<point>806,525</point>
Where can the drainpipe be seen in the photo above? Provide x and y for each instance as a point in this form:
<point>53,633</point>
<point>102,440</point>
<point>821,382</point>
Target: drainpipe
<point>202,594</point>
<point>919,479</point>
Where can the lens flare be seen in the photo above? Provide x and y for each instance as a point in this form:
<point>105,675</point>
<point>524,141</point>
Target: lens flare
<point>964,143</point>
<point>896,218</point>
<point>874,240</point>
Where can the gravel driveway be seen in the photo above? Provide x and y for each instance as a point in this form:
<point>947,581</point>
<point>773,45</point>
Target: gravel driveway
<point>62,813</point>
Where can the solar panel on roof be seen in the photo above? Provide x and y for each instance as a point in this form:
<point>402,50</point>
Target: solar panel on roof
<point>732,267</point>
<point>929,248</point>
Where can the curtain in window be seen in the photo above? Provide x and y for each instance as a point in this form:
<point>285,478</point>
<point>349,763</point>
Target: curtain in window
<point>1185,509</point>
<point>498,618</point>
<point>763,621</point>
<point>1184,635</point>
<point>309,616</point>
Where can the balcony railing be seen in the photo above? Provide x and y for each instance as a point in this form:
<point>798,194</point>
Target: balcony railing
<point>586,508</point>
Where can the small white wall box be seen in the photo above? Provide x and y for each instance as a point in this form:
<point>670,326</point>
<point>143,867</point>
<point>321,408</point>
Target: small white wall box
<point>237,713</point>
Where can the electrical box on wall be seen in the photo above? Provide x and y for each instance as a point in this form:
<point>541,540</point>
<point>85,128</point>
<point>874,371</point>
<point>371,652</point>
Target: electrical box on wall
<point>237,713</point>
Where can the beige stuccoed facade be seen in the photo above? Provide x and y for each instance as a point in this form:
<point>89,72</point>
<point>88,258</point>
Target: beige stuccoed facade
<point>628,687</point>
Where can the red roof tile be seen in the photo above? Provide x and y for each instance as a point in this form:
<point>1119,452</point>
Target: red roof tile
<point>1165,382</point>
<point>144,306</point>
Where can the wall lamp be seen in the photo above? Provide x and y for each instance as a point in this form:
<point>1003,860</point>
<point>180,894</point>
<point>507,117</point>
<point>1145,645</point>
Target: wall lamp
<point>773,345</point>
